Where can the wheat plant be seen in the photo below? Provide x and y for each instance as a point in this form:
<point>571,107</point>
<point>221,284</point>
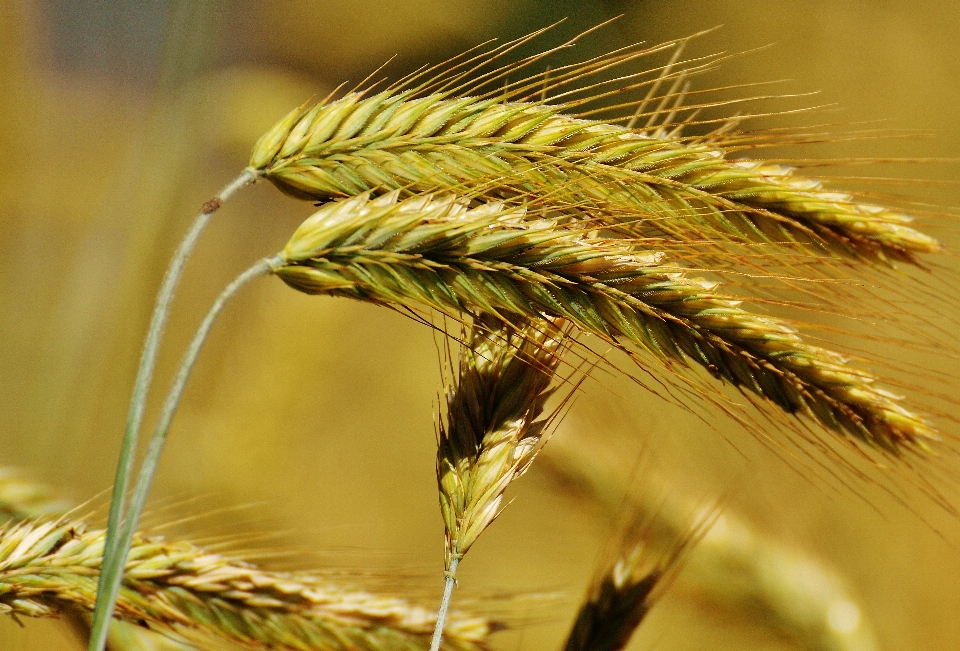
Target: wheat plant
<point>549,213</point>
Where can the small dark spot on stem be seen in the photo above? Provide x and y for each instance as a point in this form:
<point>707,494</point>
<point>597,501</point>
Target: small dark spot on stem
<point>211,206</point>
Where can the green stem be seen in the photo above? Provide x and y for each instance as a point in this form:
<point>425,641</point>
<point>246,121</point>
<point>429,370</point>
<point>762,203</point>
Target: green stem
<point>115,558</point>
<point>149,355</point>
<point>449,584</point>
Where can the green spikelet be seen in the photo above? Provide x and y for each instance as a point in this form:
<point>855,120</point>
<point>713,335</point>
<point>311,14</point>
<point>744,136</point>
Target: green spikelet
<point>497,260</point>
<point>494,423</point>
<point>637,181</point>
<point>175,587</point>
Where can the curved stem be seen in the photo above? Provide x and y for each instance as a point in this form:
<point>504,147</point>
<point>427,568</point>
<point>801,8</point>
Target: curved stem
<point>450,583</point>
<point>111,569</point>
<point>149,355</point>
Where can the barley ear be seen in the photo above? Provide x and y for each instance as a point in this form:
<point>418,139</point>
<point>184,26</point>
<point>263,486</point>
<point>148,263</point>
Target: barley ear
<point>621,599</point>
<point>493,428</point>
<point>178,589</point>
<point>506,146</point>
<point>494,422</point>
<point>496,260</point>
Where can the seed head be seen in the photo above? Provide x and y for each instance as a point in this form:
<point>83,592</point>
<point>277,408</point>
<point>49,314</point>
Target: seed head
<point>494,424</point>
<point>497,260</point>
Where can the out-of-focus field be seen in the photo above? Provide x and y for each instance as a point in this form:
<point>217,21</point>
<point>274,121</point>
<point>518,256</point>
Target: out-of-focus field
<point>312,420</point>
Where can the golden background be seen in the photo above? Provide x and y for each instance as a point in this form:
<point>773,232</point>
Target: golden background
<point>311,420</point>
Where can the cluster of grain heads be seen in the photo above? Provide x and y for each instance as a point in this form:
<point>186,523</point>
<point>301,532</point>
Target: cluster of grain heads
<point>562,216</point>
<point>734,573</point>
<point>50,568</point>
<point>498,260</point>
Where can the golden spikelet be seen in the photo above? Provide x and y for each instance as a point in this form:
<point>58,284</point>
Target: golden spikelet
<point>48,568</point>
<point>494,424</point>
<point>497,260</point>
<point>435,134</point>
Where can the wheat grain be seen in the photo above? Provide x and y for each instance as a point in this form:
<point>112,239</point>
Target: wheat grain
<point>495,260</point>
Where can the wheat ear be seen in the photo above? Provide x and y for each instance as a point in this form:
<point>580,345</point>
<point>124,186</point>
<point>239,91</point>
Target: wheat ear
<point>23,499</point>
<point>733,571</point>
<point>493,428</point>
<point>621,599</point>
<point>115,558</point>
<point>141,386</point>
<point>496,260</point>
<point>637,179</point>
<point>181,589</point>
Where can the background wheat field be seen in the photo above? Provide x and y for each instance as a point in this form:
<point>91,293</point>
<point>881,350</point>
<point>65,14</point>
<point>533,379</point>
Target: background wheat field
<point>307,435</point>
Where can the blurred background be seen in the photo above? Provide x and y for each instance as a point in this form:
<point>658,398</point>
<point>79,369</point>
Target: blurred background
<point>313,419</point>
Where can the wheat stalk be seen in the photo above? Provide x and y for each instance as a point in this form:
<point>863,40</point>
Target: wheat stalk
<point>122,526</point>
<point>175,587</point>
<point>493,429</point>
<point>113,550</point>
<point>496,260</point>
